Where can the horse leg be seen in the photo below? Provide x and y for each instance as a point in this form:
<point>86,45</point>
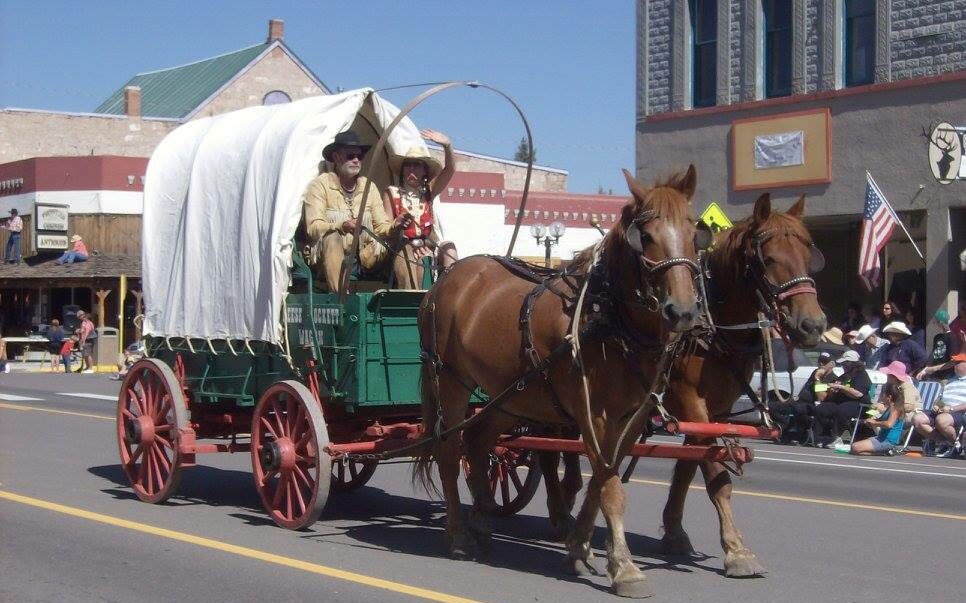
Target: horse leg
<point>580,557</point>
<point>627,579</point>
<point>561,521</point>
<point>478,445</point>
<point>448,454</point>
<point>675,540</point>
<point>740,562</point>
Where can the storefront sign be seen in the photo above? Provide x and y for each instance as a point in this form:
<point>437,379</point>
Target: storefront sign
<point>51,217</point>
<point>946,153</point>
<point>51,242</point>
<point>779,150</point>
<point>50,228</point>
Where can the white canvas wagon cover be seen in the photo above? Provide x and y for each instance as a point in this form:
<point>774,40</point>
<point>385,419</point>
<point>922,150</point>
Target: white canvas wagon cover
<point>222,201</point>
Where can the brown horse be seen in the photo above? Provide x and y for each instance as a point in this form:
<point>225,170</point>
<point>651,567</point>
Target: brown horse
<point>762,264</point>
<point>483,324</point>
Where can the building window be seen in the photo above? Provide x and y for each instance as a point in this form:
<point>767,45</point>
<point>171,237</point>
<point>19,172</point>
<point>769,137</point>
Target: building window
<point>778,47</point>
<point>859,42</point>
<point>704,52</point>
<point>276,97</point>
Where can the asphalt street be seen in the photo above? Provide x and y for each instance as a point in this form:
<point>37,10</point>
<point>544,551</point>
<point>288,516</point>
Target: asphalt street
<point>827,527</point>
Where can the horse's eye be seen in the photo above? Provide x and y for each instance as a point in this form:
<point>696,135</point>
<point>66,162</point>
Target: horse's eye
<point>769,261</point>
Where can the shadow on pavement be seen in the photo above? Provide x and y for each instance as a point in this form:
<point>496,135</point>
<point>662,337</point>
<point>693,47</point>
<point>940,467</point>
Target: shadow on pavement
<point>200,485</point>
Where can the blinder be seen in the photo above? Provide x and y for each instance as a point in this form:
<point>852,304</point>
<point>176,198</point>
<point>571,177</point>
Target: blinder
<point>635,238</point>
<point>795,285</point>
<point>703,237</point>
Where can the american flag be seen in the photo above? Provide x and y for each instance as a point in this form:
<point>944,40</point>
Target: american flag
<point>878,222</point>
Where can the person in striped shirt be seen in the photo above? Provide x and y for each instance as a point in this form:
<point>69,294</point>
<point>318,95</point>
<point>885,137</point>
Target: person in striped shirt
<point>948,416</point>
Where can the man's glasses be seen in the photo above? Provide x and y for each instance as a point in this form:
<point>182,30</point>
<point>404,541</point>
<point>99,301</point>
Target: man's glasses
<point>350,155</point>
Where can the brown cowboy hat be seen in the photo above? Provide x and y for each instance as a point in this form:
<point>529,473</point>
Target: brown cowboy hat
<point>345,139</point>
<point>433,167</point>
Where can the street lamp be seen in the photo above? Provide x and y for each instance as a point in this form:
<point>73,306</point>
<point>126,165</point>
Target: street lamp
<point>549,236</point>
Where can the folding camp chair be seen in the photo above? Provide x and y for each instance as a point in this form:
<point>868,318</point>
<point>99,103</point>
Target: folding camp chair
<point>929,392</point>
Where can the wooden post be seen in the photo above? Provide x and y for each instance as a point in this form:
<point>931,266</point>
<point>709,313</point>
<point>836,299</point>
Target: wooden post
<point>138,314</point>
<point>101,296</point>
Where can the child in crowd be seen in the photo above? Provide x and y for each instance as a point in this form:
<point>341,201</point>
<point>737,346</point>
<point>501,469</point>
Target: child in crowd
<point>66,350</point>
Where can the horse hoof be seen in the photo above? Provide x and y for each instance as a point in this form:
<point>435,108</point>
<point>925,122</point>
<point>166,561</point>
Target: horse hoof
<point>677,546</point>
<point>582,567</point>
<point>639,589</point>
<point>743,564</point>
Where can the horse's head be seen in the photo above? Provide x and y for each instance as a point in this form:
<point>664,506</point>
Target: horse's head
<point>657,229</point>
<point>781,256</point>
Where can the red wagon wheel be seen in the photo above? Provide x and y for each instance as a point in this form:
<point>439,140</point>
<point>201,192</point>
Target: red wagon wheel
<point>150,412</point>
<point>289,461</point>
<point>351,474</point>
<point>514,479</point>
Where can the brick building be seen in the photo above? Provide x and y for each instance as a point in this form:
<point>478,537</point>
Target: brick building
<point>857,85</point>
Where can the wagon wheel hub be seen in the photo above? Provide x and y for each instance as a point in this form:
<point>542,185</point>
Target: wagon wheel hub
<point>139,431</point>
<point>279,454</point>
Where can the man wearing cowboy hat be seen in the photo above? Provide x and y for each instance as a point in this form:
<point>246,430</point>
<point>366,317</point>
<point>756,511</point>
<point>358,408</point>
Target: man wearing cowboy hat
<point>903,348</point>
<point>421,179</point>
<point>78,253</point>
<point>332,203</point>
<point>14,224</point>
<point>869,346</point>
<point>948,416</point>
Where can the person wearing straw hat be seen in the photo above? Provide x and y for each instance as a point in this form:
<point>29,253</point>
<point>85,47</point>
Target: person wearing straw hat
<point>420,179</point>
<point>947,416</point>
<point>77,252</point>
<point>902,347</point>
<point>332,202</point>
<point>832,342</point>
<point>887,415</point>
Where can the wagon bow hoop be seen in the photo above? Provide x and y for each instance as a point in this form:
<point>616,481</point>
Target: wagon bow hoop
<point>349,263</point>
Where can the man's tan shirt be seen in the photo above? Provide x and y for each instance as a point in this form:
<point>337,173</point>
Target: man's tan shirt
<point>326,207</point>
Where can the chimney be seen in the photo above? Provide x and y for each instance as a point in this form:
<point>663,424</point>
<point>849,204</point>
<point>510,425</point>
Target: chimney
<point>276,29</point>
<point>132,101</point>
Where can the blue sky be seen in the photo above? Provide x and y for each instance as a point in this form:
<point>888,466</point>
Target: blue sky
<point>570,65</point>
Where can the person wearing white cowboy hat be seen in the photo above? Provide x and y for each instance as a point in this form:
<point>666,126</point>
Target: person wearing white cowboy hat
<point>77,253</point>
<point>903,347</point>
<point>332,202</point>
<point>869,346</point>
<point>420,179</point>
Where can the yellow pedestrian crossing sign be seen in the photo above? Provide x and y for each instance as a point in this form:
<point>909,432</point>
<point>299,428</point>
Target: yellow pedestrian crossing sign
<point>715,218</point>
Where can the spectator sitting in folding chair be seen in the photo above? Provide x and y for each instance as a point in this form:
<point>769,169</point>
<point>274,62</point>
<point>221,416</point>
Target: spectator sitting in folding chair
<point>943,423</point>
<point>841,401</point>
<point>888,414</point>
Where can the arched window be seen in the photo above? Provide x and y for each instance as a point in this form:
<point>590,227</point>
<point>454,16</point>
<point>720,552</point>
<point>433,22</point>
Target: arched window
<point>276,97</point>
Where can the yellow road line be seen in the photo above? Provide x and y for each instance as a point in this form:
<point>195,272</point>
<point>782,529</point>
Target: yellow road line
<point>55,411</point>
<point>241,551</point>
<point>817,501</point>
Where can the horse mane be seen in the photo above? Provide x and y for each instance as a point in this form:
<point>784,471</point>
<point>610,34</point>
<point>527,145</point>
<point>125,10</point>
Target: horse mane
<point>664,197</point>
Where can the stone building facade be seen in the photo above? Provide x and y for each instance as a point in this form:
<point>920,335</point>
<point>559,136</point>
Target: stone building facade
<point>884,72</point>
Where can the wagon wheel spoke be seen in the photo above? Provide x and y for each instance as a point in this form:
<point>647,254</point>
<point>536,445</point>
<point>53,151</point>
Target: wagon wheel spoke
<point>162,415</point>
<point>298,493</point>
<point>133,396</point>
<point>306,479</point>
<point>278,419</point>
<point>162,457</point>
<point>127,413</point>
<point>268,426</point>
<point>504,485</point>
<point>278,491</point>
<point>164,441</point>
<point>267,477</point>
<point>287,422</point>
<point>138,451</point>
<point>515,476</point>
<point>297,423</point>
<point>288,497</point>
<point>149,461</point>
<point>340,471</point>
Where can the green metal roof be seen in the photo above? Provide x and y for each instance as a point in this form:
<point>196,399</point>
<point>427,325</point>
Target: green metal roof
<point>178,91</point>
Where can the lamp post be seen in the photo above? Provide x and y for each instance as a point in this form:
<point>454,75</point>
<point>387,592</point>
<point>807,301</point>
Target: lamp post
<point>548,235</point>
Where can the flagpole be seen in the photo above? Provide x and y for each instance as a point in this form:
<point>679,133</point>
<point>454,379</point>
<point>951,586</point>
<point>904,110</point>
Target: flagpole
<point>894,214</point>
<point>885,273</point>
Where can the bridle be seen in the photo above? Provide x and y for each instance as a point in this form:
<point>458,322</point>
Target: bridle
<point>770,294</point>
<point>650,269</point>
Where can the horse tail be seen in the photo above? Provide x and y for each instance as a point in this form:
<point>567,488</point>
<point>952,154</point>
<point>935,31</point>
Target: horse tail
<point>429,394</point>
<point>429,411</point>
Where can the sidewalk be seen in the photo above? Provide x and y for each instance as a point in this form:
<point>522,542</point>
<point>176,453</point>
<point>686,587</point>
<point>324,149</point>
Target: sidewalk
<point>37,367</point>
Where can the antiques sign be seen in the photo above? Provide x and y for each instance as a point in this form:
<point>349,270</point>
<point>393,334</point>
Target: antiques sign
<point>50,232</point>
<point>946,153</point>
